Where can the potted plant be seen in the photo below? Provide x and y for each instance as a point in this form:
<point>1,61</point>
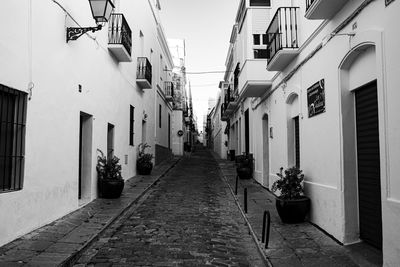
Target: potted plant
<point>144,165</point>
<point>292,205</point>
<point>244,166</point>
<point>110,181</point>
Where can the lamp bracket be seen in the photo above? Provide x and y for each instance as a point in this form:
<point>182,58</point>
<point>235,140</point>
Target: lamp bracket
<point>74,33</point>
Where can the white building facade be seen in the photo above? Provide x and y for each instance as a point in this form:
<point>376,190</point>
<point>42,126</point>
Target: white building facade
<point>327,104</point>
<point>218,134</point>
<point>63,101</point>
<point>179,128</point>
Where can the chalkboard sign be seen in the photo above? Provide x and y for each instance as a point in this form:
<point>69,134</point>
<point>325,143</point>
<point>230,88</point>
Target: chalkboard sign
<point>316,98</point>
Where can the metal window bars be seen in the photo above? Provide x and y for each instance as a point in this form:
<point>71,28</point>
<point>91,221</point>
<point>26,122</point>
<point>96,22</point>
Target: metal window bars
<point>13,104</point>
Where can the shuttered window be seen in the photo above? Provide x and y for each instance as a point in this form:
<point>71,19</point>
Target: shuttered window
<point>12,138</point>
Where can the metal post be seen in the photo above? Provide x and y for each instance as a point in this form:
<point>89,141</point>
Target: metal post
<point>268,229</point>
<point>236,186</point>
<point>263,226</point>
<point>245,200</point>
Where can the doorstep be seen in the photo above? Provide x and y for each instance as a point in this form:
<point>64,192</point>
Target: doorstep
<point>61,242</point>
<point>293,244</point>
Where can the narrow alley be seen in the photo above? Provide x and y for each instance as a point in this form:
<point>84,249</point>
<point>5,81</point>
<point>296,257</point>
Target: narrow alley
<point>189,219</point>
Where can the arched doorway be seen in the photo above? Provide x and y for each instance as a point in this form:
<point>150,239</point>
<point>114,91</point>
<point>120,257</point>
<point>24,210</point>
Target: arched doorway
<point>265,161</point>
<point>361,151</point>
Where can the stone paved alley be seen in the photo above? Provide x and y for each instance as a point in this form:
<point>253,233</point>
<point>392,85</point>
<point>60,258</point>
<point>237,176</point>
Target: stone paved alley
<point>189,219</point>
<point>184,214</point>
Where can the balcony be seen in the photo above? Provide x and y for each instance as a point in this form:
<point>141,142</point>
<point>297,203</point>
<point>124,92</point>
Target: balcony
<point>169,91</point>
<point>224,116</point>
<point>283,42</point>
<point>323,9</point>
<point>119,38</point>
<point>143,73</point>
<point>254,79</point>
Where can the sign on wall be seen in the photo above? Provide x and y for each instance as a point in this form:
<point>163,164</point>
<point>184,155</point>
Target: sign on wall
<point>316,98</point>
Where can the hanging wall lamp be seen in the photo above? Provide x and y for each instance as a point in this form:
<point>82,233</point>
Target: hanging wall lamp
<point>101,11</point>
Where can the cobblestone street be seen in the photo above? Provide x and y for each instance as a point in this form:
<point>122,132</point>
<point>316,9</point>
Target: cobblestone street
<point>188,219</point>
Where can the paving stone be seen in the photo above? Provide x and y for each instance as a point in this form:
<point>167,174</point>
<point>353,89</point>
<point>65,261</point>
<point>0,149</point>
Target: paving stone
<point>189,219</point>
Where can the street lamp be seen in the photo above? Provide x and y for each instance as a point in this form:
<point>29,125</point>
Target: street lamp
<point>101,12</point>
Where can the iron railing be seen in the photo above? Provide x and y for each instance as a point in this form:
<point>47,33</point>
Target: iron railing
<point>144,69</point>
<point>223,108</point>
<point>169,89</point>
<point>12,138</point>
<point>282,32</point>
<point>309,3</point>
<point>119,32</point>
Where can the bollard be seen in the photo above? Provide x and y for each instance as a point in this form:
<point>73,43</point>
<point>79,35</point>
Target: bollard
<point>236,186</point>
<point>245,200</point>
<point>268,229</point>
<point>263,227</point>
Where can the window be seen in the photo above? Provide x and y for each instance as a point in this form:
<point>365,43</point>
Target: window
<point>110,141</point>
<point>161,70</point>
<point>260,2</point>
<point>260,53</point>
<point>159,116</point>
<point>131,125</point>
<point>264,39</point>
<point>256,39</point>
<point>12,138</point>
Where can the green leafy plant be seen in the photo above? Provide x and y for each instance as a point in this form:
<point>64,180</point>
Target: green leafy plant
<point>290,184</point>
<point>108,169</point>
<point>144,159</point>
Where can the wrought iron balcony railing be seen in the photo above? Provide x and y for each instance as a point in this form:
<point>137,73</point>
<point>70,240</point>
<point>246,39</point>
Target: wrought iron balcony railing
<point>119,32</point>
<point>309,3</point>
<point>144,71</point>
<point>282,32</point>
<point>169,90</point>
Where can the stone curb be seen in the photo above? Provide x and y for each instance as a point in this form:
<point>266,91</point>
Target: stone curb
<point>76,255</point>
<point>253,234</point>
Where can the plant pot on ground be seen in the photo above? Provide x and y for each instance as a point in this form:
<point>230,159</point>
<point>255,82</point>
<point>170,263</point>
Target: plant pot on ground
<point>292,205</point>
<point>110,181</point>
<point>244,166</point>
<point>144,164</point>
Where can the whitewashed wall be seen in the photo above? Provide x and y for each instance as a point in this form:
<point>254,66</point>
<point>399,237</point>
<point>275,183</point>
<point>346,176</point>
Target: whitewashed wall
<point>35,46</point>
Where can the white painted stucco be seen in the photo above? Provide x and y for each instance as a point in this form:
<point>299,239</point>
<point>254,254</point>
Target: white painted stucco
<point>34,49</point>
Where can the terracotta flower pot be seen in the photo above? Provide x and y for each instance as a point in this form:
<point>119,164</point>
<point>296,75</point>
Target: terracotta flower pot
<point>293,210</point>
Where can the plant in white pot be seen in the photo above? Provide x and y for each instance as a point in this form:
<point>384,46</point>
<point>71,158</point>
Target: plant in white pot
<point>292,204</point>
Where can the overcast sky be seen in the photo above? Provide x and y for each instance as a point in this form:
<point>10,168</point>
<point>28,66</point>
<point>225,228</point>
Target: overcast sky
<point>206,26</point>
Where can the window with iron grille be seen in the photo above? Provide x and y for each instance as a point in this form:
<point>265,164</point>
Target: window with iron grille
<point>12,138</point>
<point>131,125</point>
